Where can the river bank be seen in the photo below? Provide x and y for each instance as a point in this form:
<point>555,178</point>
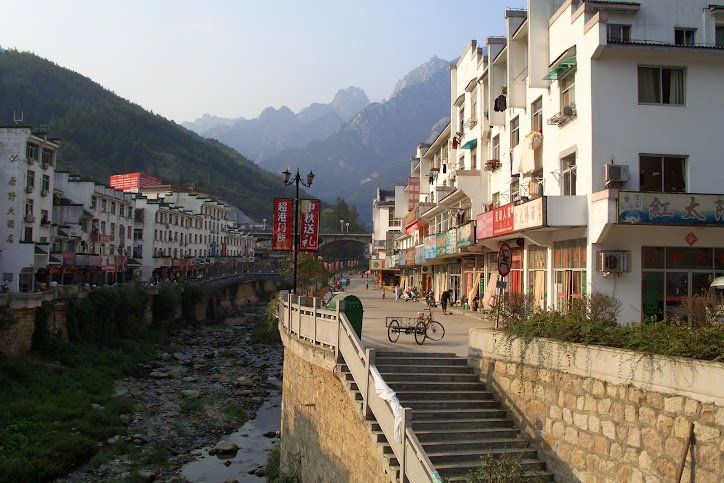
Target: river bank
<point>209,382</point>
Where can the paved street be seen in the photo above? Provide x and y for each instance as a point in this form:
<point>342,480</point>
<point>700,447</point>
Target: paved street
<point>374,332</point>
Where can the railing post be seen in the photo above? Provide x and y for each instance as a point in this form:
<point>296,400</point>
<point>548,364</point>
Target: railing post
<point>406,423</point>
<point>314,333</point>
<point>299,316</point>
<point>289,328</point>
<point>340,308</point>
<point>369,362</point>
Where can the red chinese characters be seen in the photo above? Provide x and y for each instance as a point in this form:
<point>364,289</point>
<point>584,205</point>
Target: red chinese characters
<point>283,224</point>
<point>503,220</point>
<point>309,225</point>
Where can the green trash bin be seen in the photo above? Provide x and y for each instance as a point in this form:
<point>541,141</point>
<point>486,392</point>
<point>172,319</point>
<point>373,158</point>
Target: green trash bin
<point>352,309</point>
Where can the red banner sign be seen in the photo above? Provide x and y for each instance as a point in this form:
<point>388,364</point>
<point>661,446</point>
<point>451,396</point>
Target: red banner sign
<point>283,224</point>
<point>309,225</point>
<point>503,220</point>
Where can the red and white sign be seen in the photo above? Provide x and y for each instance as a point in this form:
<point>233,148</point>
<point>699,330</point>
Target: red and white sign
<point>134,181</point>
<point>505,259</point>
<point>691,239</point>
<point>503,220</point>
<point>309,225</point>
<point>283,224</point>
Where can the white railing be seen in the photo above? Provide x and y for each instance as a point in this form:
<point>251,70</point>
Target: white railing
<point>330,329</point>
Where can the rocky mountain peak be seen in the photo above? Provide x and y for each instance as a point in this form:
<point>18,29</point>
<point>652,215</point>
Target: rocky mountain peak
<point>421,74</point>
<point>349,101</point>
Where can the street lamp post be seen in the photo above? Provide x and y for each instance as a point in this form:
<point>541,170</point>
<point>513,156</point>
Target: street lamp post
<point>264,221</point>
<point>341,226</point>
<point>347,225</point>
<point>297,180</point>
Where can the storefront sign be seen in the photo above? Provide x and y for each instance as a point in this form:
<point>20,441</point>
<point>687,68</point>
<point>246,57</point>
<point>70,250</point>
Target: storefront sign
<point>430,247</point>
<point>465,235</point>
<point>68,259</point>
<point>309,225</point>
<point>451,241</point>
<point>530,214</point>
<point>409,256</point>
<point>440,245</point>
<point>670,208</point>
<point>283,224</point>
<point>94,260</point>
<point>503,220</point>
<point>484,225</point>
<point>81,259</point>
<point>419,254</point>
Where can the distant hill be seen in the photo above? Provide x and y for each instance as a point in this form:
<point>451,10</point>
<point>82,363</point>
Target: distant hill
<point>278,129</point>
<point>374,147</point>
<point>102,133</point>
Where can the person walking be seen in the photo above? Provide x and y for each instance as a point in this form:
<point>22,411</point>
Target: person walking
<point>397,293</point>
<point>367,284</point>
<point>444,299</point>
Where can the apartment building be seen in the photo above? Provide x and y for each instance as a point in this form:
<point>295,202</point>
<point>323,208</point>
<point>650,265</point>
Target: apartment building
<point>587,139</point>
<point>27,164</point>
<point>386,225</point>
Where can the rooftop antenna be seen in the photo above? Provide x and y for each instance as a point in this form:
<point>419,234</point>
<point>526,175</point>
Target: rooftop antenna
<point>18,119</point>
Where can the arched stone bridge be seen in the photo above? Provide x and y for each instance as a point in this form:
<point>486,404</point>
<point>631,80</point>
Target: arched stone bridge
<point>325,238</point>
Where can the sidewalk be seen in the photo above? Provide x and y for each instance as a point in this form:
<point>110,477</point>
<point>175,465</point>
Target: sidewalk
<point>374,332</point>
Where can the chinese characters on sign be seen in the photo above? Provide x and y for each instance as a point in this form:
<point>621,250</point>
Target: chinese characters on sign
<point>283,224</point>
<point>12,196</point>
<point>309,225</point>
<point>670,208</point>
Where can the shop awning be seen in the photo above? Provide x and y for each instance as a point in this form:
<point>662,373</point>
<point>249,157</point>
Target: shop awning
<point>472,144</point>
<point>53,260</point>
<point>562,65</point>
<point>39,251</point>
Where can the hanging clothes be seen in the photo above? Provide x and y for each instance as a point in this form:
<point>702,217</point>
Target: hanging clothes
<point>500,104</point>
<point>455,142</point>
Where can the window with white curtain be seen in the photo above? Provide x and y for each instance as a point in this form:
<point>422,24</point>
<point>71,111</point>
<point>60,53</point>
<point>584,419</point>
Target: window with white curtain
<point>661,85</point>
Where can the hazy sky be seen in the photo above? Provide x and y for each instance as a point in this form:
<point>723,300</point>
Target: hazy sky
<point>184,58</point>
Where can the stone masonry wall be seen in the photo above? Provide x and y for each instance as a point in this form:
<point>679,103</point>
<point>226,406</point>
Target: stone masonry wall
<point>593,430</point>
<point>16,336</point>
<point>323,433</point>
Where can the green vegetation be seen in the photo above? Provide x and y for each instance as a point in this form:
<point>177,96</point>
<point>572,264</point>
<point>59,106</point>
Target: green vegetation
<point>310,270</point>
<point>47,425</point>
<point>592,321</point>
<point>504,469</point>
<point>235,414</point>
<point>267,331</point>
<point>103,134</point>
<point>274,474</point>
<point>192,405</point>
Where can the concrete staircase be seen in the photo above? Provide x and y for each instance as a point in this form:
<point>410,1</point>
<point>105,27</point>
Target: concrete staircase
<point>455,417</point>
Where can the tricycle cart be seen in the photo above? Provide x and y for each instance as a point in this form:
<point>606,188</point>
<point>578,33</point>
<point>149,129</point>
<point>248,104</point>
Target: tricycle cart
<point>422,327</point>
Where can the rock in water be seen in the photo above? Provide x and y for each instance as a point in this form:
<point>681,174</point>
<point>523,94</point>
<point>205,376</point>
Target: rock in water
<point>270,434</point>
<point>224,448</point>
<point>190,393</point>
<point>243,381</point>
<point>158,375</point>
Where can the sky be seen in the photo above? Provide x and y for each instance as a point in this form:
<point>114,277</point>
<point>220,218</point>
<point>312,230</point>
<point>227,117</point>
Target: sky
<point>182,58</point>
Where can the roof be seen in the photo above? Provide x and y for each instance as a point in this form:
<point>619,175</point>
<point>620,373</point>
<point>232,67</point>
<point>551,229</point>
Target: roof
<point>653,43</point>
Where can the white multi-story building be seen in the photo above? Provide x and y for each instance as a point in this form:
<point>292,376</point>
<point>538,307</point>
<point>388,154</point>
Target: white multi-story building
<point>27,164</point>
<point>586,138</point>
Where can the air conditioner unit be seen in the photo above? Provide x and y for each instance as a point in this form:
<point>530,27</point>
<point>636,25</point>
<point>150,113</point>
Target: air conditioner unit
<point>615,174</point>
<point>614,261</point>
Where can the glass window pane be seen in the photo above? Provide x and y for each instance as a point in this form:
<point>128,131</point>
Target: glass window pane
<point>689,258</point>
<point>677,292</point>
<point>674,178</point>
<point>719,259</point>
<point>650,175</point>
<point>700,283</point>
<point>652,294</point>
<point>649,88</point>
<point>652,257</point>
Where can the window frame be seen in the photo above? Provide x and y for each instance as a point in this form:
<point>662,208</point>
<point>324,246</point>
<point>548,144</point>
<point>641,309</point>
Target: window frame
<point>31,147</point>
<point>622,28</point>
<point>30,179</point>
<point>568,175</point>
<point>568,90</point>
<point>662,157</point>
<point>536,115</point>
<point>686,31</point>
<point>719,31</point>
<point>495,147</point>
<point>661,68</point>
<point>514,132</point>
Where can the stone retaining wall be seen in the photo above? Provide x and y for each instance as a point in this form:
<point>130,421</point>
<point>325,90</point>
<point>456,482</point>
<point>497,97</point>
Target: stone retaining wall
<point>600,414</point>
<point>323,435</point>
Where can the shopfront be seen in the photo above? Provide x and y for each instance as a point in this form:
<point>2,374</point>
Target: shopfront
<point>537,267</point>
<point>670,276</point>
<point>569,271</point>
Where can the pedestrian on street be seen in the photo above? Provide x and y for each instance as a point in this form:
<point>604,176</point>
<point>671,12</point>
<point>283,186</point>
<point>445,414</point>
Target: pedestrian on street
<point>444,299</point>
<point>384,293</point>
<point>397,293</point>
<point>367,284</point>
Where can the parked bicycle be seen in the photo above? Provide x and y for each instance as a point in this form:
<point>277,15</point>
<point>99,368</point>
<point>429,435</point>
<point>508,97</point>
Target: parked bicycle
<point>423,327</point>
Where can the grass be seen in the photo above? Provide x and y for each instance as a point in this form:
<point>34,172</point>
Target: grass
<point>234,413</point>
<point>274,473</point>
<point>192,405</point>
<point>47,427</point>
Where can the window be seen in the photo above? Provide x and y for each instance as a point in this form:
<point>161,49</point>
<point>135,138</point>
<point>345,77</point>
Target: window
<point>113,207</point>
<point>129,231</point>
<point>496,200</point>
<point>94,202</point>
<point>569,272</point>
<point>113,231</point>
<point>496,147</point>
<point>461,119</point>
<point>514,132</point>
<point>568,89</point>
<point>461,162</point>
<point>31,151</point>
<point>46,183</point>
<point>662,174</point>
<point>44,216</point>
<point>474,107</point>
<point>619,32</point>
<point>104,205</point>
<point>28,207</point>
<point>122,209</point>
<point>392,221</point>
<point>720,35</point>
<point>684,36</point>
<point>536,116</point>
<point>30,179</point>
<point>474,158</point>
<point>47,156</point>
<point>661,85</point>
<point>515,189</point>
<point>568,175</point>
<point>103,227</point>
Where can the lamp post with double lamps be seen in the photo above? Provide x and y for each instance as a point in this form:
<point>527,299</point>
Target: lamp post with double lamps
<point>297,180</point>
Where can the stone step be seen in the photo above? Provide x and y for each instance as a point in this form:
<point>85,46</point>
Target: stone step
<point>428,377</point>
<point>419,361</point>
<point>453,404</point>
<point>436,386</point>
<point>533,476</point>
<point>437,369</point>
<point>462,423</point>
<point>474,455</point>
<point>427,394</point>
<point>462,468</point>
<point>468,445</point>
<point>433,414</point>
<point>467,434</point>
<point>413,353</point>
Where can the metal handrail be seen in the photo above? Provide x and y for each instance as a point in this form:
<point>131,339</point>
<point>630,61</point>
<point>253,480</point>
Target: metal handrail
<point>415,466</point>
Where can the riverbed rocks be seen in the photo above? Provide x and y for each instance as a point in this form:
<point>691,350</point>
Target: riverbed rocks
<point>224,448</point>
<point>190,395</point>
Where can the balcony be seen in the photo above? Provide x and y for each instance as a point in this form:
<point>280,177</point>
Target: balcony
<point>492,165</point>
<point>567,114</point>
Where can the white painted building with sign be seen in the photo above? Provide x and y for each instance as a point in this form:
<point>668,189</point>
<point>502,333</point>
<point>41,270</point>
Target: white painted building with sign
<point>594,128</point>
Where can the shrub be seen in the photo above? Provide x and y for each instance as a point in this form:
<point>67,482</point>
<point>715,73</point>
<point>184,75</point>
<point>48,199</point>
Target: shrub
<point>166,303</point>
<point>190,296</point>
<point>504,469</point>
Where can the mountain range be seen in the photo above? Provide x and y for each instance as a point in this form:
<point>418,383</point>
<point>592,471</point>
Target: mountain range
<point>276,130</point>
<point>103,134</point>
<point>371,146</point>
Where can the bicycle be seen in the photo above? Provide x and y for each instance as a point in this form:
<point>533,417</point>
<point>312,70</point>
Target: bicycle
<point>422,327</point>
<point>433,330</point>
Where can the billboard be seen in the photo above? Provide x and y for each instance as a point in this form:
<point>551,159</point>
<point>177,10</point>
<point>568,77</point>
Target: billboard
<point>283,224</point>
<point>309,225</point>
<point>670,208</point>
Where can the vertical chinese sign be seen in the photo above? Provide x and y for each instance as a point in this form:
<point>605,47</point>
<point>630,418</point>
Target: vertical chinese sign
<point>283,224</point>
<point>309,225</point>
